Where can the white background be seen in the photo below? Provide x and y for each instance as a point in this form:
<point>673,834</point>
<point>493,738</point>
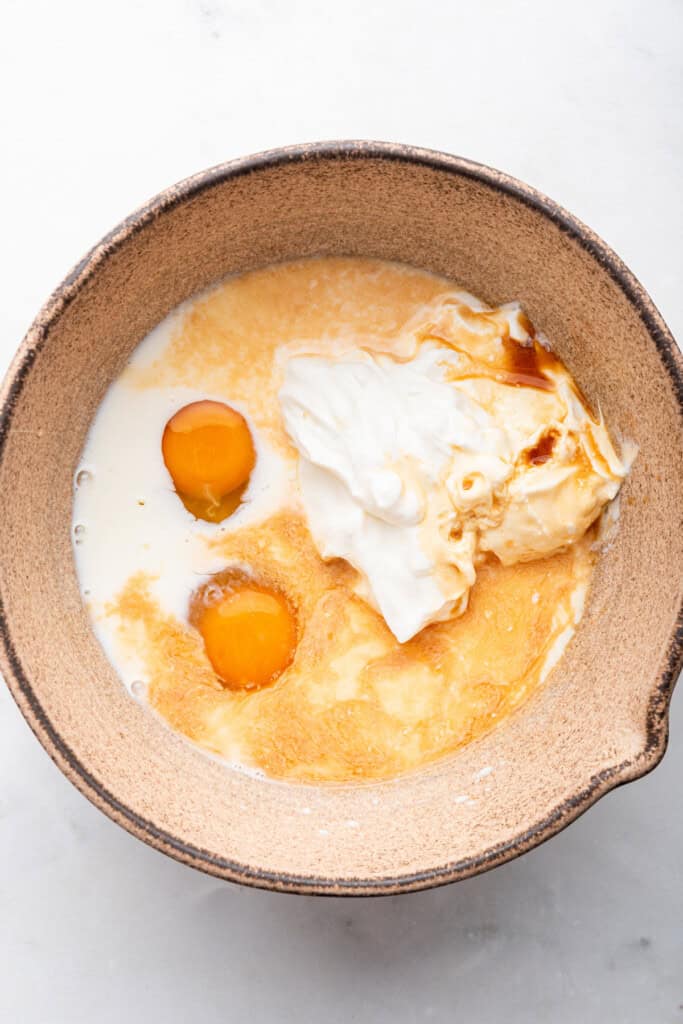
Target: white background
<point>101,106</point>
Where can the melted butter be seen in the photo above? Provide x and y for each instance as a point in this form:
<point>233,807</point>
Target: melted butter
<point>354,704</point>
<point>226,340</point>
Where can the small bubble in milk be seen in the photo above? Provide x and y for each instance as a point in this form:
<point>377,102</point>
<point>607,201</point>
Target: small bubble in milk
<point>79,533</point>
<point>138,688</point>
<point>83,476</point>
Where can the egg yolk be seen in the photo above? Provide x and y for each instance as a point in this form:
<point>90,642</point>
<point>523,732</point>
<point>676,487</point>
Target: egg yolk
<point>249,635</point>
<point>209,451</point>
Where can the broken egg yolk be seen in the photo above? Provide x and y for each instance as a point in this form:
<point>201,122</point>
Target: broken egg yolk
<point>209,451</point>
<point>249,635</point>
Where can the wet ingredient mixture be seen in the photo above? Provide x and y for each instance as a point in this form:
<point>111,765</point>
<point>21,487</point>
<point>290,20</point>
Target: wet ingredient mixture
<point>336,518</point>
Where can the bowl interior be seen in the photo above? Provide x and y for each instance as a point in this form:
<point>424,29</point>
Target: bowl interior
<point>601,718</point>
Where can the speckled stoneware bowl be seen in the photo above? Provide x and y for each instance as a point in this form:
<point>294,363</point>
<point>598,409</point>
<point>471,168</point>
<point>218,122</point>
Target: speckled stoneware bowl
<point>601,719</point>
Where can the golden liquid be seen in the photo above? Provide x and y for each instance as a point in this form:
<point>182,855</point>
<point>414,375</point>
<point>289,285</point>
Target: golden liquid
<point>354,704</point>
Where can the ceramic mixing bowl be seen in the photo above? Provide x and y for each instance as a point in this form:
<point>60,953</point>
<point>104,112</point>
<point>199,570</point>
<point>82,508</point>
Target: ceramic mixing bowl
<point>601,718</point>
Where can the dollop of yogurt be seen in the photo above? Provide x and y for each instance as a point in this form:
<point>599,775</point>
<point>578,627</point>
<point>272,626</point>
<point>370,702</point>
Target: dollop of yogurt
<point>416,462</point>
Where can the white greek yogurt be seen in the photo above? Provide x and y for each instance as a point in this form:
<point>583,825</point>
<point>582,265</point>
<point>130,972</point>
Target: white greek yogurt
<point>411,468</point>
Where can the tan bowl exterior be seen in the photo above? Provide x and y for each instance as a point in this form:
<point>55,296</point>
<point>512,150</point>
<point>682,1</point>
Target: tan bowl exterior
<point>602,718</point>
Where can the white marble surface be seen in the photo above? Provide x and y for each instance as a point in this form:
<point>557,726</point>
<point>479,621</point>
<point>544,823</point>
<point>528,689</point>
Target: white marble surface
<point>103,105</point>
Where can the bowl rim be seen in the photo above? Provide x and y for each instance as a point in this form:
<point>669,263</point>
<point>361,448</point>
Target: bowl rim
<point>10,663</point>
